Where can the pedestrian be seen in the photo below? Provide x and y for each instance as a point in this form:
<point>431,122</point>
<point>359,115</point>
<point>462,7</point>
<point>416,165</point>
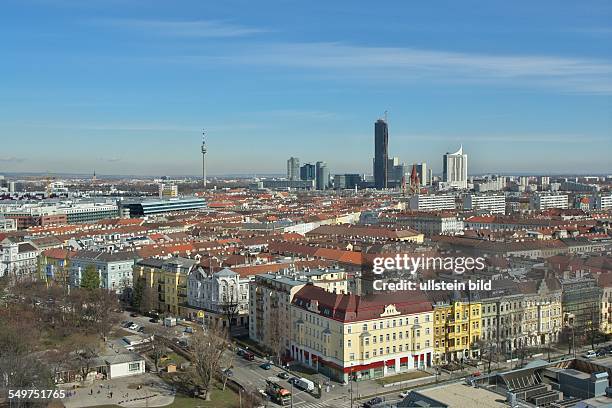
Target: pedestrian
<point>91,391</point>
<point>111,394</point>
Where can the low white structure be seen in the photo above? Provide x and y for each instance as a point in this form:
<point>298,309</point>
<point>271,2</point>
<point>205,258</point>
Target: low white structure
<point>124,365</point>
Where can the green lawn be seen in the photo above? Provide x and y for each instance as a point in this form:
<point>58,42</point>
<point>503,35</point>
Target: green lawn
<point>219,399</point>
<point>411,375</point>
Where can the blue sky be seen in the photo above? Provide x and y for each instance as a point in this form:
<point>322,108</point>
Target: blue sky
<point>124,87</point>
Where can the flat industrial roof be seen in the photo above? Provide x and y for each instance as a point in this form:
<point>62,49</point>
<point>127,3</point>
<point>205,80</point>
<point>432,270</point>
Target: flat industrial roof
<point>461,395</point>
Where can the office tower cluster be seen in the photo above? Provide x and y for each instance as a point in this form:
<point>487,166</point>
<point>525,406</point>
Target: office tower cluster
<point>318,173</point>
<point>388,171</point>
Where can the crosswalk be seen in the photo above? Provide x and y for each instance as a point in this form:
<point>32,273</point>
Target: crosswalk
<point>333,403</point>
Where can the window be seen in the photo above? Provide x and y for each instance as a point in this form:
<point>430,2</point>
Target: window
<point>365,327</point>
<point>349,330</point>
<point>134,367</point>
<point>349,343</point>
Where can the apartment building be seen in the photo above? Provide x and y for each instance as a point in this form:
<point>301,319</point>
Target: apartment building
<point>343,336</point>
<point>502,315</point>
<point>18,258</point>
<point>7,224</point>
<point>165,281</point>
<point>542,320</point>
<point>603,201</point>
<point>114,268</point>
<point>545,201</point>
<point>270,298</point>
<point>429,223</point>
<point>581,304</point>
<point>222,295</point>
<point>605,283</point>
<point>457,330</point>
<point>433,202</point>
<point>490,203</point>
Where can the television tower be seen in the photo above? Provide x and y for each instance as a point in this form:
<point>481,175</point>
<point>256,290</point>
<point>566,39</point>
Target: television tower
<point>204,157</point>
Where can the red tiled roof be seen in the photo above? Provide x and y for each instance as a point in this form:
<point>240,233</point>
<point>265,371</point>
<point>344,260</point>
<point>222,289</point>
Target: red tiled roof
<point>353,308</point>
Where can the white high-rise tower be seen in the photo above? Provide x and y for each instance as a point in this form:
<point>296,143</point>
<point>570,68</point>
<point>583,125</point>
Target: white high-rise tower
<point>455,169</point>
<point>204,157</point>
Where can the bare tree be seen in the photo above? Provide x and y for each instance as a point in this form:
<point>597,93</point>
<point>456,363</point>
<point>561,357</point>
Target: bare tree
<point>276,340</point>
<point>208,347</point>
<point>229,306</point>
<point>85,357</point>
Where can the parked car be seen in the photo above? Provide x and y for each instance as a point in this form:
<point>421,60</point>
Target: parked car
<point>590,354</point>
<point>228,372</point>
<point>293,380</point>
<point>248,356</point>
<point>404,394</point>
<point>133,314</point>
<point>373,402</point>
<point>141,330</point>
<point>127,324</point>
<point>266,366</point>
<point>154,320</point>
<point>240,352</point>
<point>283,375</point>
<point>134,326</point>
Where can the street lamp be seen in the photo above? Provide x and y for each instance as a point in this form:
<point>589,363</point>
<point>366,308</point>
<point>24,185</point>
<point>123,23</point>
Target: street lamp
<point>351,384</point>
<point>415,327</point>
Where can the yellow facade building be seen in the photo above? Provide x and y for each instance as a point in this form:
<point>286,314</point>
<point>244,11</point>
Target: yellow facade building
<point>164,283</point>
<point>457,330</point>
<point>343,336</point>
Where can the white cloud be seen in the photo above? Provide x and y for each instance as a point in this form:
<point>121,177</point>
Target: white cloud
<point>416,65</point>
<point>195,28</point>
<point>11,159</point>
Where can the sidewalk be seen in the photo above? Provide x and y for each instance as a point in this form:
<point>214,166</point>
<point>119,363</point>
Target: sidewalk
<point>153,392</point>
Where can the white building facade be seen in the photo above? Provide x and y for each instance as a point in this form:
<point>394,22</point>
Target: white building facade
<point>492,203</point>
<point>223,294</point>
<point>455,169</point>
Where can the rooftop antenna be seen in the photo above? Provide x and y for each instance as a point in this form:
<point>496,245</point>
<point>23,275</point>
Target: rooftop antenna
<point>386,112</point>
<point>204,150</point>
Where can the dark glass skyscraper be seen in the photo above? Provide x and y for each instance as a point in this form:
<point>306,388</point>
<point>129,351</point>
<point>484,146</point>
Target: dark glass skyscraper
<point>381,154</point>
<point>308,172</point>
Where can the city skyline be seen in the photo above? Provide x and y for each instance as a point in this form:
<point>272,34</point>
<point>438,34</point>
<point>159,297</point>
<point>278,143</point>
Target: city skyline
<point>525,88</point>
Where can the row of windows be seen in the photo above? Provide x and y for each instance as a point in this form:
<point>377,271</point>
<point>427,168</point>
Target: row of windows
<point>475,312</point>
<point>389,350</point>
<point>389,324</point>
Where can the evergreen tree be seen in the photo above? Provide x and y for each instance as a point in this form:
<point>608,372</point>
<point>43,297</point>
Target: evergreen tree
<point>90,279</point>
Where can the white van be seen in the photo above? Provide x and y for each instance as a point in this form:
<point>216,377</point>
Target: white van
<point>304,384</point>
